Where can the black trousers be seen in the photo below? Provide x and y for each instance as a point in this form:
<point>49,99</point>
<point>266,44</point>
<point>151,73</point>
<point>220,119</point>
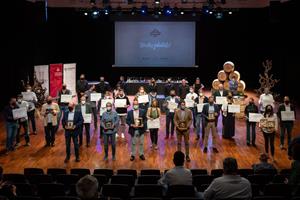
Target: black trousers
<point>87,133</point>
<point>170,120</point>
<point>269,141</point>
<point>50,133</point>
<point>154,135</point>
<point>31,118</point>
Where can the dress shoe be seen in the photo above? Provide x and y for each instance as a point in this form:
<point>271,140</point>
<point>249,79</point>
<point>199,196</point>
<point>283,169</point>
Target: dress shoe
<point>77,160</point>
<point>142,157</point>
<point>205,150</point>
<point>67,160</point>
<point>132,158</point>
<point>215,150</point>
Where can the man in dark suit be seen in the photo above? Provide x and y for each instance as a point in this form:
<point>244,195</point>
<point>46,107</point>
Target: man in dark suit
<point>183,89</point>
<point>136,120</point>
<point>168,87</point>
<point>84,108</point>
<point>210,113</point>
<point>72,121</point>
<point>103,86</point>
<point>220,92</point>
<point>81,86</point>
<point>285,125</point>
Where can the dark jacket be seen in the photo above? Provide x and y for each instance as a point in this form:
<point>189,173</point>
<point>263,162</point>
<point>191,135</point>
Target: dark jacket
<point>130,120</point>
<point>183,91</point>
<point>102,87</point>
<point>205,112</point>
<point>168,98</point>
<point>88,108</point>
<point>123,110</point>
<point>251,108</point>
<point>218,94</point>
<point>82,86</point>
<point>8,114</point>
<point>282,108</point>
<point>168,88</point>
<point>77,121</point>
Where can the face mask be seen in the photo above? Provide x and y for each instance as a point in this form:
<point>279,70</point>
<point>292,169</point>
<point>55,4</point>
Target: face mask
<point>286,102</point>
<point>81,79</point>
<point>19,100</point>
<point>182,107</point>
<point>82,102</point>
<point>70,108</point>
<point>172,95</point>
<point>108,109</point>
<point>28,90</point>
<point>135,107</point>
<point>191,91</point>
<point>49,102</point>
<point>141,91</point>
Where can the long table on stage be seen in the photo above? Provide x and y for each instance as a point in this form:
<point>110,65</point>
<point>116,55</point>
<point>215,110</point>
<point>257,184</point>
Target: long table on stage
<point>132,88</point>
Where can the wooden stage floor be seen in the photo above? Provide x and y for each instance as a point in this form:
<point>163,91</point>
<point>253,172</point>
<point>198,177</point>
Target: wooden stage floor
<point>92,157</point>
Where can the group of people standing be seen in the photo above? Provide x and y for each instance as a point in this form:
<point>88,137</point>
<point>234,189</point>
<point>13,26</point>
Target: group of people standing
<point>189,107</point>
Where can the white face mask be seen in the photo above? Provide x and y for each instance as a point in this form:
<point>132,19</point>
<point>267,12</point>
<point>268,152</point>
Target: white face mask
<point>191,91</point>
<point>82,102</point>
<point>28,90</point>
<point>19,100</point>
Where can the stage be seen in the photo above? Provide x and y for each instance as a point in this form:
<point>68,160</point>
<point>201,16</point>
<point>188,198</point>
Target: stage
<point>92,157</point>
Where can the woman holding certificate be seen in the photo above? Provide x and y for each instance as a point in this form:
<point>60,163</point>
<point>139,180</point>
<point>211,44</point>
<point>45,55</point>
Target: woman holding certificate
<point>121,104</point>
<point>228,119</point>
<point>143,98</point>
<point>153,116</point>
<point>269,125</point>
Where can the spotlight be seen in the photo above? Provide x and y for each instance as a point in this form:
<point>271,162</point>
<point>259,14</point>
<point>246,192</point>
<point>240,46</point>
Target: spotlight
<point>167,11</point>
<point>85,14</point>
<point>230,12</point>
<point>182,13</point>
<point>157,2</point>
<point>107,10</point>
<point>144,10</point>
<point>93,2</point>
<point>133,10</point>
<point>210,12</point>
<point>205,9</point>
<point>219,13</point>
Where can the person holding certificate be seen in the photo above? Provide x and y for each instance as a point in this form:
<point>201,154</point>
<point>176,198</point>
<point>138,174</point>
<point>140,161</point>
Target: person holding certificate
<point>102,108</point>
<point>201,99</point>
<point>103,86</point>
<point>142,92</point>
<point>210,113</point>
<point>220,92</point>
<point>266,99</point>
<point>136,120</point>
<point>72,121</point>
<point>93,105</point>
<point>153,113</point>
<point>85,109</point>
<point>269,125</point>
<point>63,106</point>
<point>168,87</point>
<point>49,112</point>
<point>31,108</point>
<point>183,119</point>
<point>109,123</point>
<point>251,108</point>
<point>183,89</point>
<point>11,124</point>
<point>170,105</point>
<point>228,119</point>
<point>81,86</point>
<point>192,96</point>
<point>286,124</point>
<point>23,122</point>
<point>122,111</point>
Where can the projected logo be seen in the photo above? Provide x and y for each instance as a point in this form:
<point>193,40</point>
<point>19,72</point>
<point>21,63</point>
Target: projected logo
<point>155,33</point>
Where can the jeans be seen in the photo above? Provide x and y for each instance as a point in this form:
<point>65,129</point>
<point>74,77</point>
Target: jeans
<point>154,135</point>
<point>94,113</point>
<point>269,139</point>
<point>25,126</point>
<point>194,116</point>
<point>87,133</point>
<point>62,109</point>
<point>251,126</point>
<point>112,138</point>
<point>288,126</point>
<point>31,118</point>
<point>74,136</point>
<point>11,131</point>
<point>50,134</point>
<point>134,139</point>
<point>210,126</point>
<point>199,125</point>
<point>170,120</point>
<point>186,137</point>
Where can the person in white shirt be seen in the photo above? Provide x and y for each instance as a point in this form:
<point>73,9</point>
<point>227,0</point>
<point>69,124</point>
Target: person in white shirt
<point>192,96</point>
<point>23,122</point>
<point>269,126</point>
<point>265,99</point>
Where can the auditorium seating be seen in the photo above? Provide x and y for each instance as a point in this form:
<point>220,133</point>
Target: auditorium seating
<point>59,184</point>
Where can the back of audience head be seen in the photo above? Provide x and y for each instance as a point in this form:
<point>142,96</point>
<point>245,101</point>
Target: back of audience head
<point>230,166</point>
<point>178,158</point>
<point>87,188</point>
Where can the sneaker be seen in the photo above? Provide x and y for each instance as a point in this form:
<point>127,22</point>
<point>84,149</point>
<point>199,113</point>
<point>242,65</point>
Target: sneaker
<point>114,158</point>
<point>253,144</point>
<point>27,144</point>
<point>156,147</point>
<point>132,158</point>
<point>67,160</point>
<point>17,145</point>
<point>197,138</point>
<point>77,160</point>
<point>205,150</point>
<point>281,147</point>
<point>167,137</point>
<point>122,135</point>
<point>142,157</point>
<point>215,150</point>
<point>188,159</point>
<point>117,135</point>
<point>53,144</point>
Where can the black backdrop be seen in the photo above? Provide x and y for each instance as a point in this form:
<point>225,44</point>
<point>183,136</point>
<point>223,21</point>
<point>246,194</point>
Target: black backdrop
<point>247,38</point>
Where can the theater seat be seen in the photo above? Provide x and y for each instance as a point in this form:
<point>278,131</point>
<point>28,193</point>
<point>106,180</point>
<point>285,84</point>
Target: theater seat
<point>148,179</point>
<point>107,172</point>
<point>81,172</point>
<point>30,171</point>
<point>148,190</point>
<point>115,190</point>
<point>150,172</point>
<point>181,191</point>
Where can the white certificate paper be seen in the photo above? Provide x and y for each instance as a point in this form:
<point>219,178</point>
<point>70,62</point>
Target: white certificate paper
<point>255,117</point>
<point>143,99</point>
<point>66,98</point>
<point>172,105</point>
<point>95,96</point>
<point>189,103</point>
<point>221,100</point>
<point>87,118</point>
<point>200,107</point>
<point>234,108</point>
<point>105,101</point>
<point>19,113</point>
<point>287,115</point>
<point>155,123</point>
<point>27,96</point>
<point>120,103</point>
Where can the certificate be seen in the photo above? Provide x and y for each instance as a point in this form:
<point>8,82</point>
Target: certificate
<point>120,103</point>
<point>155,123</point>
<point>66,98</point>
<point>200,107</point>
<point>221,100</point>
<point>105,101</point>
<point>234,108</point>
<point>287,116</point>
<point>87,118</point>
<point>27,96</point>
<point>19,113</point>
<point>255,117</point>
<point>95,96</point>
<point>189,103</point>
<point>172,105</point>
<point>143,99</point>
<point>102,110</point>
